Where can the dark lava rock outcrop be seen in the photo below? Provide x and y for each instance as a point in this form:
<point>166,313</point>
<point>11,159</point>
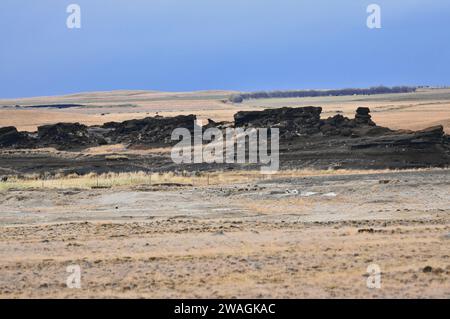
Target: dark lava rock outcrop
<point>306,121</point>
<point>419,139</point>
<point>67,136</point>
<point>291,121</point>
<point>11,138</point>
<point>363,117</point>
<point>148,131</point>
<point>306,140</point>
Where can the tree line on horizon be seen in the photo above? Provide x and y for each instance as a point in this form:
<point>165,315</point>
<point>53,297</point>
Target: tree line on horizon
<point>239,98</point>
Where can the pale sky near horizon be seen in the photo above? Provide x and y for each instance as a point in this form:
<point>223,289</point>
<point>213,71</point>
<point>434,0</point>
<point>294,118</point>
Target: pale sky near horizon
<point>247,45</point>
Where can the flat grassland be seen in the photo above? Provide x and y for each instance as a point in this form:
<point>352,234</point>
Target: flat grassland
<point>424,108</point>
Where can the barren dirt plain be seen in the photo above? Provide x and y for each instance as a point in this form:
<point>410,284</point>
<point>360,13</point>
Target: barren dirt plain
<point>289,237</point>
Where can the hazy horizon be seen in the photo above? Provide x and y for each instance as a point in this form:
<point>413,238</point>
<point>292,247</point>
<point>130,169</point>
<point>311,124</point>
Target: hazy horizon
<point>199,91</point>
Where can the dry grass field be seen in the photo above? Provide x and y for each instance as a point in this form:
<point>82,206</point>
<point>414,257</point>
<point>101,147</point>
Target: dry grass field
<point>424,108</point>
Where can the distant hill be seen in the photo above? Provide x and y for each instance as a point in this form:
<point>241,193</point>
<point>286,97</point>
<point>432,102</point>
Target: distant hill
<point>118,97</point>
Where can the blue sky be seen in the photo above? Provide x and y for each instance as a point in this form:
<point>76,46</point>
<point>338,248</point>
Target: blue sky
<point>247,45</point>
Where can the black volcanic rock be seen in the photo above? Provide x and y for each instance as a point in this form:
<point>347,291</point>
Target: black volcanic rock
<point>66,136</point>
<point>361,125</point>
<point>337,125</point>
<point>149,131</point>
<point>434,133</point>
<point>363,116</point>
<point>291,121</point>
<point>362,111</point>
<point>305,139</point>
<point>415,140</point>
<point>10,137</point>
<point>304,121</point>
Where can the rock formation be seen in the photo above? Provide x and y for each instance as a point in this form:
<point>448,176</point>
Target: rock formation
<point>148,131</point>
<point>305,138</point>
<point>10,137</point>
<point>67,136</point>
<point>363,117</point>
<point>291,121</point>
<point>303,121</point>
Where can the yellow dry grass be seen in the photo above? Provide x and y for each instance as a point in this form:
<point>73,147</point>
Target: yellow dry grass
<point>205,179</point>
<point>122,150</point>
